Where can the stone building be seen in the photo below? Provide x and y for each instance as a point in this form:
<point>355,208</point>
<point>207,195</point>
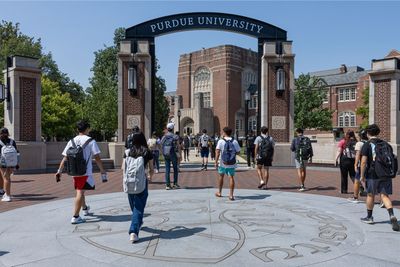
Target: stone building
<point>211,88</point>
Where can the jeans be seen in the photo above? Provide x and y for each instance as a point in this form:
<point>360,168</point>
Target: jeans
<point>173,159</point>
<point>137,203</point>
<point>346,169</point>
<point>186,153</point>
<point>156,159</point>
<point>250,155</point>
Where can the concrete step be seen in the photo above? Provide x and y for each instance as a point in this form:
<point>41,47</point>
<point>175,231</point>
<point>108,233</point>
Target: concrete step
<point>108,164</point>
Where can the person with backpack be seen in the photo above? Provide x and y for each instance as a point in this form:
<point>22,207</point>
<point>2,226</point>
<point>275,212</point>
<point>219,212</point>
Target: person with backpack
<point>204,148</point>
<point>154,146</point>
<point>225,161</point>
<point>358,187</point>
<point>128,141</point>
<point>137,160</point>
<point>186,147</point>
<point>264,149</point>
<point>77,155</point>
<point>250,149</point>
<point>378,168</point>
<point>303,153</point>
<point>169,146</point>
<point>9,162</point>
<point>347,154</point>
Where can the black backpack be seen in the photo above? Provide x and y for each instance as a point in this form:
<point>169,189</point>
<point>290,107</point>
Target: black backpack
<point>266,149</point>
<point>76,163</point>
<point>349,152</point>
<point>384,162</point>
<point>303,150</point>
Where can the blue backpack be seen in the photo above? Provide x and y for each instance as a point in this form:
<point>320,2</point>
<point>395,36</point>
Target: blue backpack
<point>229,154</point>
<point>168,147</point>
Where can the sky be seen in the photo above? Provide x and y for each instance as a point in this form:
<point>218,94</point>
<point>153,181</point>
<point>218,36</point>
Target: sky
<point>325,34</point>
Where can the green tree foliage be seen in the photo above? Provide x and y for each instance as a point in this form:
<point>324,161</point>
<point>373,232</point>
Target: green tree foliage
<point>308,99</point>
<point>59,111</point>
<point>161,105</point>
<point>363,110</point>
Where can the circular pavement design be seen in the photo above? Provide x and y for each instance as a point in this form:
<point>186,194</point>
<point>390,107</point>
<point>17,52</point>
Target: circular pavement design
<point>194,228</point>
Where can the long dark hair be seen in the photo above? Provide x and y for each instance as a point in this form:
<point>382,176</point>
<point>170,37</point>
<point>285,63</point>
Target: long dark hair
<point>350,136</point>
<point>139,145</point>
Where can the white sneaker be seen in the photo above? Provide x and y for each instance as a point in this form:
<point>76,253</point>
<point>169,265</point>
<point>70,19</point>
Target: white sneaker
<point>353,200</point>
<point>156,171</point>
<point>86,212</point>
<point>133,238</point>
<point>77,220</point>
<point>302,188</point>
<point>6,198</point>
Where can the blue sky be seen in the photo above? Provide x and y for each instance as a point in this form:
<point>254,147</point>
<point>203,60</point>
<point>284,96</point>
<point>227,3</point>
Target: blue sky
<point>324,34</point>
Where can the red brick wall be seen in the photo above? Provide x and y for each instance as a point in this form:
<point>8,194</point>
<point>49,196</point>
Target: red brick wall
<point>278,105</point>
<point>133,105</point>
<point>382,107</point>
<point>28,109</point>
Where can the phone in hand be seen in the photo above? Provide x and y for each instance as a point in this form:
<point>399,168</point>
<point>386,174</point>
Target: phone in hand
<point>58,177</point>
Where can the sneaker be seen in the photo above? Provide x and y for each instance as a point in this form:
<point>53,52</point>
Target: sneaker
<point>302,188</point>
<point>6,198</point>
<point>77,220</point>
<point>368,220</point>
<point>176,186</point>
<point>382,205</point>
<point>157,171</point>
<point>353,200</point>
<point>86,211</point>
<point>133,237</point>
<point>168,187</point>
<point>395,225</point>
<point>262,183</point>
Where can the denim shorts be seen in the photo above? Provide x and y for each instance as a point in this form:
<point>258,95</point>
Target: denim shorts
<point>379,186</point>
<point>300,165</point>
<point>227,171</point>
<point>204,152</point>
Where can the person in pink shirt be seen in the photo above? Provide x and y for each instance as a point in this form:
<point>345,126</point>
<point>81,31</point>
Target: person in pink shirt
<point>347,154</point>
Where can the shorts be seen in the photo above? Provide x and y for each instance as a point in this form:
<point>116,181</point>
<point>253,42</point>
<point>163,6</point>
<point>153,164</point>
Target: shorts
<point>357,176</point>
<point>227,171</point>
<point>80,183</point>
<point>379,186</point>
<point>300,165</point>
<point>205,151</point>
<point>264,162</point>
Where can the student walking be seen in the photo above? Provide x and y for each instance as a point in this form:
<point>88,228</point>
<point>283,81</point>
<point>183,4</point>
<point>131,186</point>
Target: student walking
<point>347,154</point>
<point>303,153</point>
<point>9,162</point>
<point>378,167</point>
<point>358,187</point>
<point>250,148</point>
<point>213,145</point>
<point>204,148</point>
<point>264,149</point>
<point>154,146</point>
<point>186,147</point>
<point>78,154</point>
<point>137,160</point>
<point>169,144</point>
<point>225,161</point>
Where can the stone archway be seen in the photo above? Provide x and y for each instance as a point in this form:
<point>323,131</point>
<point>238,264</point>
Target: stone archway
<point>187,126</point>
<point>137,52</point>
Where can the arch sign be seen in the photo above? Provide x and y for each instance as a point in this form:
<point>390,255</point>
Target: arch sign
<point>138,51</point>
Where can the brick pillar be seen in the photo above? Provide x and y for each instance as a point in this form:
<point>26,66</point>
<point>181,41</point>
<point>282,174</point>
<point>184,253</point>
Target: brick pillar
<point>277,112</point>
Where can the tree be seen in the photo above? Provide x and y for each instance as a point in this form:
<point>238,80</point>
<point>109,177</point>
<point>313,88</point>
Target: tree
<point>363,110</point>
<point>308,98</point>
<point>161,105</point>
<point>59,111</point>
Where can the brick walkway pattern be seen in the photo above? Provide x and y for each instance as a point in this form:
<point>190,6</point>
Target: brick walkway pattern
<point>30,189</point>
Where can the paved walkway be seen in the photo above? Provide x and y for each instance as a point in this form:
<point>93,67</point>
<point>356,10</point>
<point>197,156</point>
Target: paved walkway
<point>190,227</point>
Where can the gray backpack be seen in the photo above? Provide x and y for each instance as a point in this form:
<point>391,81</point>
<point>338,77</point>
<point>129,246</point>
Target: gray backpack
<point>9,155</point>
<point>134,177</point>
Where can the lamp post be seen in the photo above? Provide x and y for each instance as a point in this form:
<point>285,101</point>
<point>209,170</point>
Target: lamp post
<point>247,97</point>
<point>132,81</point>
<point>280,81</point>
<point>179,121</point>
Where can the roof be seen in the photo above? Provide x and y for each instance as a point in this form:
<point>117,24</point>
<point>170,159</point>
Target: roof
<point>335,77</point>
<point>170,93</point>
<point>335,71</point>
<point>393,53</point>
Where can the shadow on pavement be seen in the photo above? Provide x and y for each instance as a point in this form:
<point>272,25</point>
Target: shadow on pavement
<point>22,181</point>
<point>197,187</point>
<point>3,253</point>
<point>173,233</point>
<point>33,197</point>
<point>256,197</point>
<point>113,218</point>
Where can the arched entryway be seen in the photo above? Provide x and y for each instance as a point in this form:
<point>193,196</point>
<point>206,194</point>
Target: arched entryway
<point>187,126</point>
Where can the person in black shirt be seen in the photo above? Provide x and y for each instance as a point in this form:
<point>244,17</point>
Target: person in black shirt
<point>250,138</point>
<point>375,184</point>
<point>5,173</point>
<point>137,202</point>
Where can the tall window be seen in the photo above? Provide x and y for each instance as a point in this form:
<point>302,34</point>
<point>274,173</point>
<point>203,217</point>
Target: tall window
<point>347,119</point>
<point>253,123</point>
<point>253,102</point>
<point>249,77</point>
<point>347,94</point>
<point>202,83</point>
<point>239,125</point>
<point>326,96</point>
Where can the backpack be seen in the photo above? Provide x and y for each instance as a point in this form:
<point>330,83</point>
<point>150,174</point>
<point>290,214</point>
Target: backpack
<point>76,163</point>
<point>204,141</point>
<point>152,143</point>
<point>9,155</point>
<point>229,154</point>
<point>384,162</point>
<point>266,149</point>
<point>168,146</point>
<point>349,151</point>
<point>134,178</point>
<point>303,150</point>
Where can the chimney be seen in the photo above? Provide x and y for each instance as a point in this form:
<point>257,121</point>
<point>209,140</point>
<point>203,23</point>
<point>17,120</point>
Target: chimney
<point>343,69</point>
